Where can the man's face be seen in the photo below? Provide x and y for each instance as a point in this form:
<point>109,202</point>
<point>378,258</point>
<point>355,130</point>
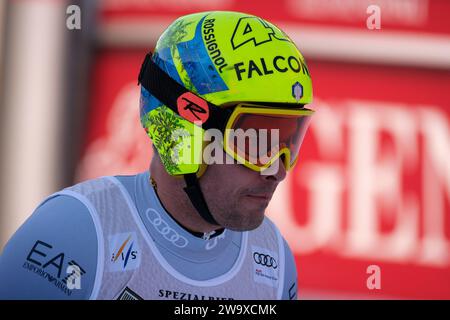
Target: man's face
<point>237,196</point>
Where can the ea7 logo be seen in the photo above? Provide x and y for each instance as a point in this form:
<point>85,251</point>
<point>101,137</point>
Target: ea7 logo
<point>44,261</point>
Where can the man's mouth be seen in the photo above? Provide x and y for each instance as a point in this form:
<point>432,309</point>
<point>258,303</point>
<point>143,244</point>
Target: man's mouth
<point>261,196</point>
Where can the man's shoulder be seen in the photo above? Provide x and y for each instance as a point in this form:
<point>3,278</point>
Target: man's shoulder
<point>58,234</point>
<point>97,181</point>
<point>93,185</point>
<point>103,182</point>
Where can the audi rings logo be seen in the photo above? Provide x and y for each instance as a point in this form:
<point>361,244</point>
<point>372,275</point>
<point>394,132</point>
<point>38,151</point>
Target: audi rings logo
<point>265,260</point>
<point>163,228</point>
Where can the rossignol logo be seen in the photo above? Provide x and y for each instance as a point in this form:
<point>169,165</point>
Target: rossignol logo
<point>55,266</point>
<point>124,252</point>
<point>211,44</point>
<point>192,107</point>
<point>265,266</point>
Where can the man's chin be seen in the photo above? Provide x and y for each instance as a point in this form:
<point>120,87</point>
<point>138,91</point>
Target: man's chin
<point>243,228</point>
<point>248,225</point>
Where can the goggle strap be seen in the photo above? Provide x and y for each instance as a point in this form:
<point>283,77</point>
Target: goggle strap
<point>167,91</point>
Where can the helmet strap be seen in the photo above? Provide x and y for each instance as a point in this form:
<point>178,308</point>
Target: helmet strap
<point>195,194</point>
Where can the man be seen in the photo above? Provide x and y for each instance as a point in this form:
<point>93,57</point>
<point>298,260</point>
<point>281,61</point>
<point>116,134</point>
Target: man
<point>193,227</point>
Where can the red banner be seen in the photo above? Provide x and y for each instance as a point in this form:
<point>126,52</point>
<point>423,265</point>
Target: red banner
<point>400,15</point>
<point>373,183</point>
<point>371,190</point>
<point>115,141</point>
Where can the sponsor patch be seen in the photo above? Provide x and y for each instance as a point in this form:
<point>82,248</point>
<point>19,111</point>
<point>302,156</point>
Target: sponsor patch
<point>297,91</point>
<point>124,252</point>
<point>192,107</point>
<point>56,267</point>
<point>265,266</point>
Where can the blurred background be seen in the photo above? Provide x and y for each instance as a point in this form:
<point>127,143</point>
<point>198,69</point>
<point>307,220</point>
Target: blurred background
<point>373,182</point>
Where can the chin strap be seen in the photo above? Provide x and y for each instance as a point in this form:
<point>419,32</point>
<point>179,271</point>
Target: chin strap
<point>195,194</point>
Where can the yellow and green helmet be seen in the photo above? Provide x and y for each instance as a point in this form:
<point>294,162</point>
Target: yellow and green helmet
<point>225,58</point>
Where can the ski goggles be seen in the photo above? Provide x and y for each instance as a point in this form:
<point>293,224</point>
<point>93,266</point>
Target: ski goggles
<point>257,135</point>
<point>254,135</point>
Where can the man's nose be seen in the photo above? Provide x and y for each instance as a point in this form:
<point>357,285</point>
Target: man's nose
<point>276,172</point>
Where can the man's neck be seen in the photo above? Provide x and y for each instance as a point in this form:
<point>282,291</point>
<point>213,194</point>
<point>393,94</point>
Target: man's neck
<point>176,202</point>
